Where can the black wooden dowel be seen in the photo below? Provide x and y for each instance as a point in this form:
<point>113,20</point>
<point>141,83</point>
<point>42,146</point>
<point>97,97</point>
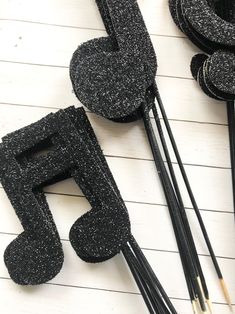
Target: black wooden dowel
<point>153,294</point>
<point>139,283</point>
<point>145,264</point>
<point>172,203</point>
<point>231,128</point>
<point>191,195</point>
<point>181,204</point>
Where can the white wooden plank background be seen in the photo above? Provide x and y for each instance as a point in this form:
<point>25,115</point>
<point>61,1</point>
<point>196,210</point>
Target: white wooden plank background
<point>37,40</point>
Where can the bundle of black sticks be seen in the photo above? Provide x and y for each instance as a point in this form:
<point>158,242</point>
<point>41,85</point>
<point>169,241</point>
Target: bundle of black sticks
<point>57,147</point>
<point>210,25</point>
<point>114,77</point>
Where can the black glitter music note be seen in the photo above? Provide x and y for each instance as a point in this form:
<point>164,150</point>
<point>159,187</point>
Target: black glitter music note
<point>72,150</point>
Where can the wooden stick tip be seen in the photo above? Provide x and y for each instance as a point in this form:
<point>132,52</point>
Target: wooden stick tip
<point>194,306</point>
<point>209,305</point>
<point>226,293</point>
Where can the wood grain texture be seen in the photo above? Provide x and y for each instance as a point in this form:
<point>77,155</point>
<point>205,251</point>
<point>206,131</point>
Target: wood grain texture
<point>52,45</point>
<point>51,87</point>
<point>149,223</point>
<point>84,14</point>
<point>114,274</point>
<point>199,144</point>
<point>59,299</point>
<point>37,41</point>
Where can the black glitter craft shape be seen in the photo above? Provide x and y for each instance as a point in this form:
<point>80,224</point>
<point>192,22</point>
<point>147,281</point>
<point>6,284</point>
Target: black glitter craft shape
<point>99,71</point>
<point>112,75</point>
<point>200,21</point>
<point>215,74</point>
<point>210,25</point>
<point>36,255</point>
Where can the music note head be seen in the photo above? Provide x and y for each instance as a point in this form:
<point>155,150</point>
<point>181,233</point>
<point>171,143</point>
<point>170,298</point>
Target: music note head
<point>59,146</point>
<point>100,234</point>
<point>111,76</point>
<point>33,259</point>
<point>215,74</point>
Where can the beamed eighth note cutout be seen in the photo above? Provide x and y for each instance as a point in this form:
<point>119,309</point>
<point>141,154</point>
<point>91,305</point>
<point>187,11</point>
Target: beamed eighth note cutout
<point>59,146</point>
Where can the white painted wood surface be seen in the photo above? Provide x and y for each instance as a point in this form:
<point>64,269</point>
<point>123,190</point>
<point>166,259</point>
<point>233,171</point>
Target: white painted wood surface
<point>37,40</point>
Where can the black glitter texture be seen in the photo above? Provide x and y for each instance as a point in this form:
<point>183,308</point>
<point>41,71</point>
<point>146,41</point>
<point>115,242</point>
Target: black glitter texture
<point>197,63</point>
<point>200,20</point>
<point>36,255</point>
<point>211,26</point>
<point>112,75</point>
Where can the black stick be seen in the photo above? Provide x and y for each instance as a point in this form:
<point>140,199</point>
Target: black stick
<point>145,264</point>
<point>181,204</point>
<point>138,281</point>
<point>231,128</point>
<point>172,204</point>
<point>191,195</point>
<point>152,291</point>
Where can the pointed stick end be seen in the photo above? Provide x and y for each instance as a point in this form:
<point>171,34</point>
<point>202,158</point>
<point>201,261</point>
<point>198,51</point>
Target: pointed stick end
<point>209,305</point>
<point>198,309</point>
<point>194,306</point>
<point>226,293</point>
